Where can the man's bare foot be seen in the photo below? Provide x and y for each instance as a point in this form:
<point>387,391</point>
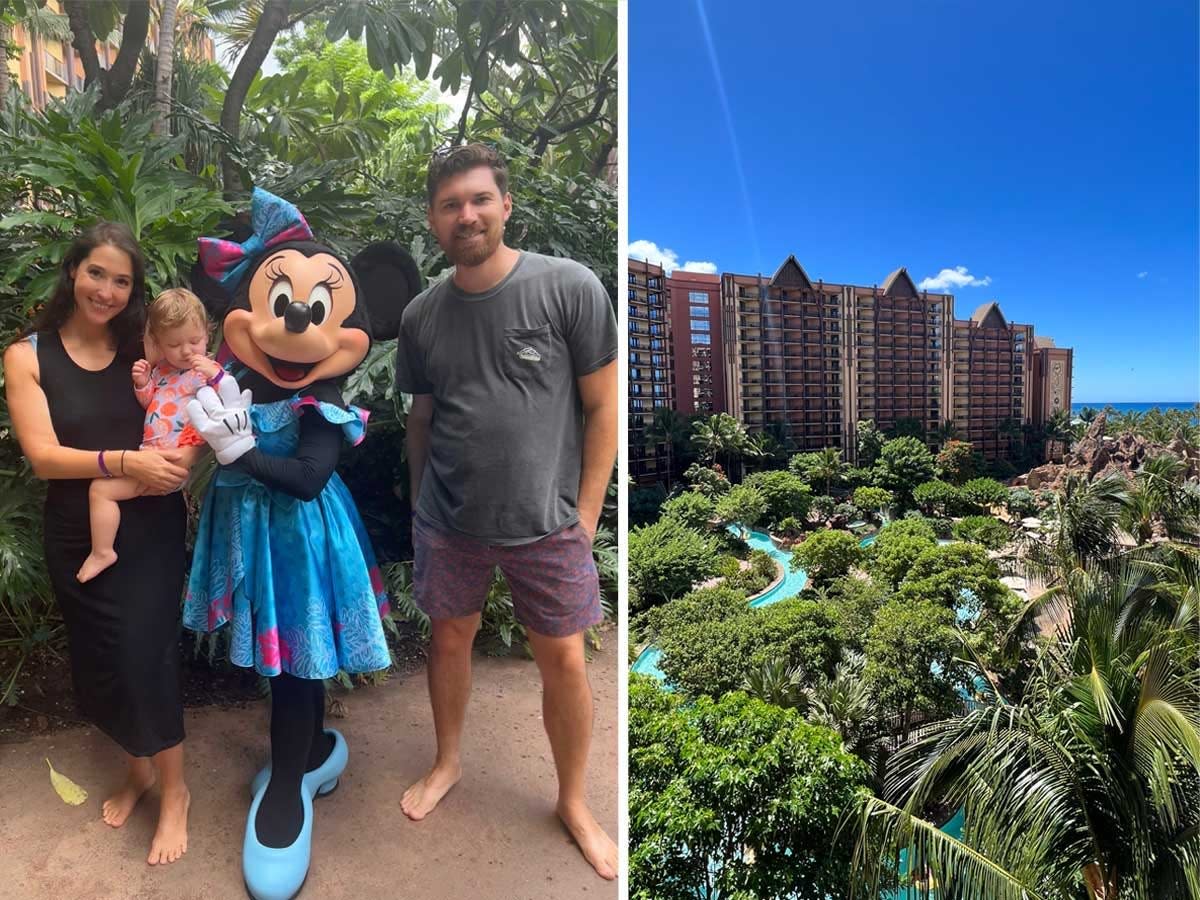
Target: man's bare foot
<point>421,798</point>
<point>597,847</point>
<point>96,563</point>
<point>170,838</point>
<point>116,809</point>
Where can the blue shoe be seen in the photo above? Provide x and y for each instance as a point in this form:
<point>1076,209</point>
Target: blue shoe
<point>276,874</point>
<point>321,780</point>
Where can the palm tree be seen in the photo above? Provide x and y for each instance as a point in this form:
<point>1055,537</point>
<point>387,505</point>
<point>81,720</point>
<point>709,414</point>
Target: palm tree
<point>1088,414</point>
<point>827,464</point>
<point>670,428</point>
<point>945,432</point>
<point>1157,504</point>
<point>1058,429</point>
<point>1085,522</point>
<point>719,436</point>
<point>844,704</point>
<point>1087,780</point>
<point>166,64</point>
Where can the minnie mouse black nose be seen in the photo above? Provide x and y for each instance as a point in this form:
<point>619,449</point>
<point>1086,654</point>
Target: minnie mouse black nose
<point>297,317</point>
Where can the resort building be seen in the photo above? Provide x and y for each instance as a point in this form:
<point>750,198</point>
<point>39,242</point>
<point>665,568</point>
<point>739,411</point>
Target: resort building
<point>809,359</point>
<point>696,333</point>
<point>650,382</point>
<point>47,66</point>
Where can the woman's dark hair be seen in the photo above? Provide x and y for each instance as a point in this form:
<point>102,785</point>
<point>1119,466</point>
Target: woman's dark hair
<point>127,326</point>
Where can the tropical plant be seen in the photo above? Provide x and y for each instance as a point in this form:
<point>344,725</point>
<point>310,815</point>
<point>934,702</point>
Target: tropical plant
<point>29,621</point>
<point>672,430</point>
<point>785,495</point>
<point>776,683</point>
<point>667,558</point>
<point>691,509</point>
<point>76,166</point>
<point>1083,786</point>
<point>984,493</point>
<point>991,533</point>
<point>904,463</point>
<point>1082,526</point>
<point>827,555</point>
<point>844,703</point>
<point>743,506</point>
<point>719,437</point>
<point>938,497</point>
<point>872,498</point>
<point>708,480</point>
<point>870,442</point>
<point>824,466</point>
<point>735,798</point>
<point>955,461</point>
<point>896,548</point>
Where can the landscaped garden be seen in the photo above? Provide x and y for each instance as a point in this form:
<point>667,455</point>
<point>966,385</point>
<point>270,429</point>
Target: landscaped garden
<point>957,688</point>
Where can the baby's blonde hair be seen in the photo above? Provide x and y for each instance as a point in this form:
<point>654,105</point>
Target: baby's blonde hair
<point>175,307</point>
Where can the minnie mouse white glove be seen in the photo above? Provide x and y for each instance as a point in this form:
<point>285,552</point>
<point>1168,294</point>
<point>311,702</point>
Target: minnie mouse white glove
<point>222,418</point>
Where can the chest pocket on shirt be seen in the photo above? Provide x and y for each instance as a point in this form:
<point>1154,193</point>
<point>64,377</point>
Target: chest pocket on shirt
<point>529,355</point>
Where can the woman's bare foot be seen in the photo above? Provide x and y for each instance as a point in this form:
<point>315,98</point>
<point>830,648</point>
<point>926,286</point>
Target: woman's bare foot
<point>421,798</point>
<point>595,844</point>
<point>96,563</point>
<point>116,809</point>
<point>170,838</point>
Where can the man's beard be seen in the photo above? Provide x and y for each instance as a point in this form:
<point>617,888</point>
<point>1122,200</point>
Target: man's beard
<point>476,253</point>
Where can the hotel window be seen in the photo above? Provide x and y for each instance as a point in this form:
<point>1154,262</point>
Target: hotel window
<point>635,375</point>
<point>700,312</point>
<point>658,330</point>
<point>701,338</point>
<point>699,324</point>
<point>657,344</point>
<point>698,297</point>
<point>632,278</point>
<point>654,282</point>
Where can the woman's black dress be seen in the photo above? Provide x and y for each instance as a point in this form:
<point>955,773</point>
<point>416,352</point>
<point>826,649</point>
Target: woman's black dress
<point>123,625</point>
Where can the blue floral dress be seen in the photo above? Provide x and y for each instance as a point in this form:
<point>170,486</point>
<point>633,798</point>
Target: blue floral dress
<point>298,580</point>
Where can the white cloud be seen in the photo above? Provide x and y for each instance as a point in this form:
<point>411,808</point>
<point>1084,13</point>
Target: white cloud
<point>668,258</point>
<point>1142,274</point>
<point>958,277</point>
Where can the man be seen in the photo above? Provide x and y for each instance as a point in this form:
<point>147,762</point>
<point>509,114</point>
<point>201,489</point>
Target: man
<point>511,440</point>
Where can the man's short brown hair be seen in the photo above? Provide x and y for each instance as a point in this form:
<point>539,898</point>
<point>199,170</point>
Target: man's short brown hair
<point>445,164</point>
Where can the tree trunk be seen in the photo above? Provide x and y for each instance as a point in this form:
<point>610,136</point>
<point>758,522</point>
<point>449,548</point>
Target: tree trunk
<point>84,42</point>
<point>5,37</point>
<point>115,83</point>
<point>166,67</point>
<point>274,19</point>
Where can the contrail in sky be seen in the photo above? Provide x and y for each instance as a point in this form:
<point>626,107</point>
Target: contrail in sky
<point>737,153</point>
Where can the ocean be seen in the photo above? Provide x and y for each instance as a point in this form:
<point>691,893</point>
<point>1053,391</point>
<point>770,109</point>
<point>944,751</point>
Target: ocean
<point>1135,407</point>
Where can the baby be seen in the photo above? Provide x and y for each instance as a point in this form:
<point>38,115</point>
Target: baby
<point>176,331</point>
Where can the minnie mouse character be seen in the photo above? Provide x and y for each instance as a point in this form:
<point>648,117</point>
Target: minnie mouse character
<point>281,552</point>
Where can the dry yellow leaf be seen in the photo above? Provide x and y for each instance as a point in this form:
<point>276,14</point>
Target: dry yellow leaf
<point>67,789</point>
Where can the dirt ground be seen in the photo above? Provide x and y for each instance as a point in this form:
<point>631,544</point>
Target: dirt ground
<point>494,836</point>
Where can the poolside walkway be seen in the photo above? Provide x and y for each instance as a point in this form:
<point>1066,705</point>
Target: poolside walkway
<point>495,836</point>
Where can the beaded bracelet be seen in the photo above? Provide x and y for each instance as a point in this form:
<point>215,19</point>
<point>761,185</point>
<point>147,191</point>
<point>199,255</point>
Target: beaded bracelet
<point>103,468</point>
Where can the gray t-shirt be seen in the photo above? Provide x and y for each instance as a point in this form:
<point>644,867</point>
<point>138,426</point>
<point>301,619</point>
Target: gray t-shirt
<point>506,444</point>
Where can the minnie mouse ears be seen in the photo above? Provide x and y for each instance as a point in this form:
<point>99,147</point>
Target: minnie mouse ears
<point>388,278</point>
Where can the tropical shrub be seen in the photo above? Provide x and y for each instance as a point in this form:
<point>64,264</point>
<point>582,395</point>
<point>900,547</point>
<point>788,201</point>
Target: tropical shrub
<point>870,442</point>
<point>826,555</point>
<point>912,667</point>
<point>956,462</point>
<point>991,533</point>
<point>786,495</point>
<point>904,463</point>
<point>853,603</point>
<point>938,497</point>
<point>667,558</point>
<point>822,507</point>
<point>743,505</point>
<point>896,548</point>
<point>1021,503</point>
<point>691,509</point>
<point>645,503</point>
<point>984,493</point>
<point>708,480</point>
<point>790,527</point>
<point>735,798</point>
<point>873,499</point>
<point>712,640</point>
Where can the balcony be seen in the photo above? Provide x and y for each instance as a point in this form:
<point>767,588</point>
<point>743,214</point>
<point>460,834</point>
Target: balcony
<point>56,67</point>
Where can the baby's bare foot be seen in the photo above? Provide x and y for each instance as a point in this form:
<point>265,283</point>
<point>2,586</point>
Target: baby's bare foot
<point>421,798</point>
<point>170,838</point>
<point>96,563</point>
<point>116,809</point>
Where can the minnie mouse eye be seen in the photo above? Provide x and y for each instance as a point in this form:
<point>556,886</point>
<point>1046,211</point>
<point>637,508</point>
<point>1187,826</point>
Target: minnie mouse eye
<point>319,302</point>
<point>280,296</point>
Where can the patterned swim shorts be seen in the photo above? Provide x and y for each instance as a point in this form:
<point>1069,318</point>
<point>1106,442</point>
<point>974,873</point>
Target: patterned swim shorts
<point>555,588</point>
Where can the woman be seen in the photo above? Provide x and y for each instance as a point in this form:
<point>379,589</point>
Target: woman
<point>73,408</point>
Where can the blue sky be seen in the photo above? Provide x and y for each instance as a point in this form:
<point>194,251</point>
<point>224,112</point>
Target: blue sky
<point>1045,154</point>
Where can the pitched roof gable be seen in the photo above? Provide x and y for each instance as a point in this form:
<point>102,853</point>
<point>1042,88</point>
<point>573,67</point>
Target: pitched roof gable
<point>791,274</point>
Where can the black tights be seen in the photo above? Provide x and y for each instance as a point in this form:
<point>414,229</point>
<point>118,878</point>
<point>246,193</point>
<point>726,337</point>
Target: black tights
<point>298,745</point>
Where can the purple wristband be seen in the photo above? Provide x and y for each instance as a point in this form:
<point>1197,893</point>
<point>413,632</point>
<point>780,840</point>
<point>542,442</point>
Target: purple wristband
<point>216,379</point>
<point>103,467</point>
